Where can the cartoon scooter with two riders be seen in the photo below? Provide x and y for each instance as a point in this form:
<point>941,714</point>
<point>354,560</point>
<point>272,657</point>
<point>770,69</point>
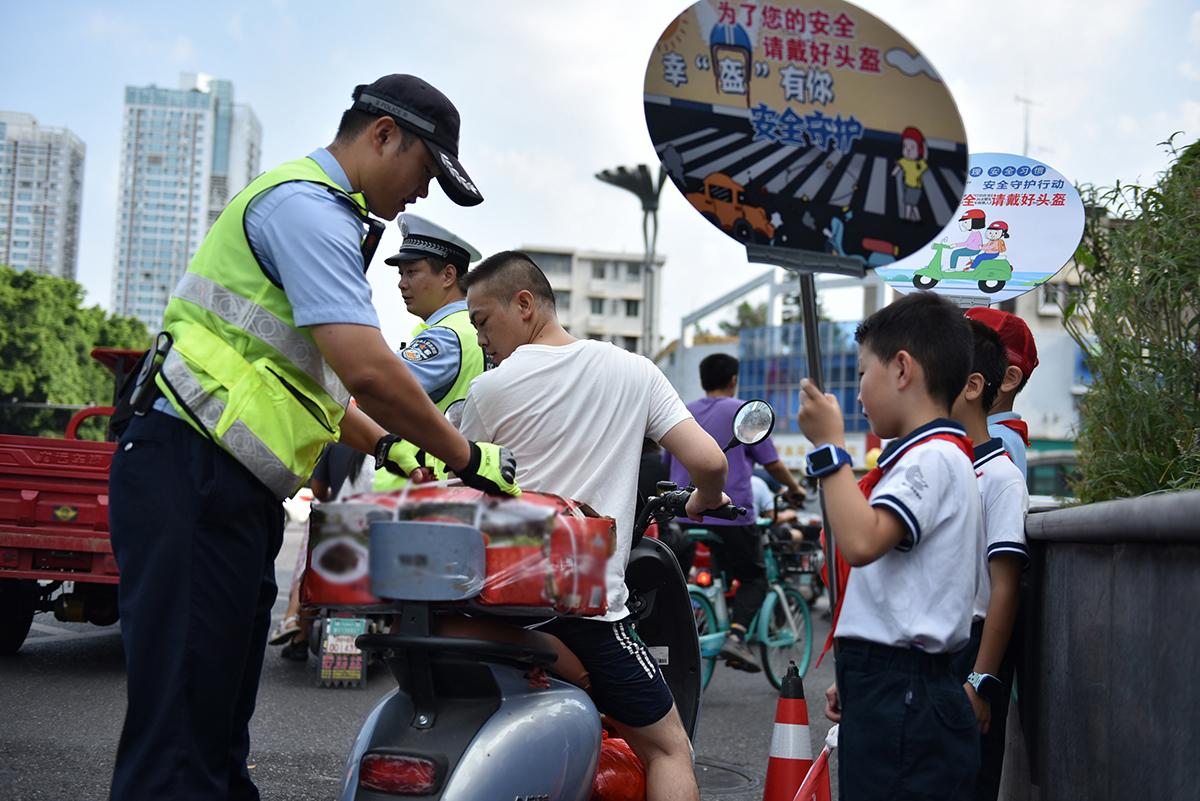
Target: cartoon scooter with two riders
<point>980,256</point>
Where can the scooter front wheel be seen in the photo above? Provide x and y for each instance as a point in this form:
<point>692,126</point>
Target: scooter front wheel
<point>924,282</point>
<point>991,287</point>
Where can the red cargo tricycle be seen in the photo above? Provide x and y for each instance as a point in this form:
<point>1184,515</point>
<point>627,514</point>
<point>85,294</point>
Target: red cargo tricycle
<point>54,547</point>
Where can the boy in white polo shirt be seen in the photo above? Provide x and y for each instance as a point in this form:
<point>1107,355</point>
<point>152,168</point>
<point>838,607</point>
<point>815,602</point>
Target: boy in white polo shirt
<point>912,535</point>
<point>985,664</point>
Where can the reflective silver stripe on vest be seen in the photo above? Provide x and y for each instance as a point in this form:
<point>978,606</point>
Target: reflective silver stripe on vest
<point>239,440</point>
<point>263,324</point>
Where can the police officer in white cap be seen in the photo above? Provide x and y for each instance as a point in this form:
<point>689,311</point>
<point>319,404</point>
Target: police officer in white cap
<point>444,353</point>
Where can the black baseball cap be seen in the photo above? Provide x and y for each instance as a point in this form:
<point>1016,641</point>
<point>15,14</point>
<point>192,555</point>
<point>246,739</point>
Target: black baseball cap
<point>418,107</point>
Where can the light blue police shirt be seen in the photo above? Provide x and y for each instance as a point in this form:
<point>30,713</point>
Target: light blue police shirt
<point>435,354</point>
<point>1011,439</point>
<point>309,241</point>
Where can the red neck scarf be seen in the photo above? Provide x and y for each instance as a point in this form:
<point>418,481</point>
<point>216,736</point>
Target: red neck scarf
<point>866,484</point>
<point>1020,426</point>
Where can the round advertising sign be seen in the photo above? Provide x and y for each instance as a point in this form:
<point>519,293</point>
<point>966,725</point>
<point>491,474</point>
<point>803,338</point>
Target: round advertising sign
<point>1018,224</point>
<point>812,127</point>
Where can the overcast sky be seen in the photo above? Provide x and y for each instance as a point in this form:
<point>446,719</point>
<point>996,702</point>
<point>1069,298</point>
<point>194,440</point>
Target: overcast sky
<point>551,92</point>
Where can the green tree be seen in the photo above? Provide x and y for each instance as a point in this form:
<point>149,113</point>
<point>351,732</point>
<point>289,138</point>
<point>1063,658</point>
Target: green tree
<point>747,317</point>
<point>45,344</point>
<point>755,316</point>
<point>1137,317</point>
<point>793,309</point>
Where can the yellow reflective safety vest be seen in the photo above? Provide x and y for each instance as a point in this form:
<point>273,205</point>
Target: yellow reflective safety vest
<point>470,364</point>
<point>240,371</point>
<point>470,355</point>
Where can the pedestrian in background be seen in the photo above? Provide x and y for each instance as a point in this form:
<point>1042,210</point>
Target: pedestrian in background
<point>739,553</point>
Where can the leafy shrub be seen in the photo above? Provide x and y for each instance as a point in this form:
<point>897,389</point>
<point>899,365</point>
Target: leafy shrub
<point>1137,317</point>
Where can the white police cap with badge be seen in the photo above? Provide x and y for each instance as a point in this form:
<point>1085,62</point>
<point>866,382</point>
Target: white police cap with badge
<point>423,239</point>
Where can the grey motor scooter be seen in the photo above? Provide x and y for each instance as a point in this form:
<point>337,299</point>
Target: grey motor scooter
<point>477,720</point>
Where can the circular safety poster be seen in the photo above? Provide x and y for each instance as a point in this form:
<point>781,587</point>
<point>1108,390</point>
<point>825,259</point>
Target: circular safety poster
<point>808,126</point>
<point>1018,224</point>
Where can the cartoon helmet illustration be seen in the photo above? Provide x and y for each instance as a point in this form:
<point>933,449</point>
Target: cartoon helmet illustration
<point>974,214</point>
<point>999,225</point>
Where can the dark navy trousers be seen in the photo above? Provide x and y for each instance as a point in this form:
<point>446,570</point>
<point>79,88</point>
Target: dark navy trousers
<point>908,732</point>
<point>195,536</point>
<point>987,786</point>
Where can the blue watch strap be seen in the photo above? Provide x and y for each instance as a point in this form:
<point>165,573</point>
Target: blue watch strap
<point>832,459</point>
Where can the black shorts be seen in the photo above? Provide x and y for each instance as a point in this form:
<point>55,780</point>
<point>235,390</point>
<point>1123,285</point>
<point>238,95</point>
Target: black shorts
<point>627,684</point>
<point>908,730</point>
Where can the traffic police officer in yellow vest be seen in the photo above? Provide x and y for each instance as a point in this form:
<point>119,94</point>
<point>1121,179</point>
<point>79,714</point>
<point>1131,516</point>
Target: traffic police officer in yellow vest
<point>266,337</point>
<point>444,353</point>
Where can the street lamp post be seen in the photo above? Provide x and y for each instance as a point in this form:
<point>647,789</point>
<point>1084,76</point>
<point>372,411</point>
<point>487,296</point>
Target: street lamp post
<point>639,181</point>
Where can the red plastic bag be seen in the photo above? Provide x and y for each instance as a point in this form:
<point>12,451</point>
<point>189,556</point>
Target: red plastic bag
<point>620,775</point>
<point>542,550</point>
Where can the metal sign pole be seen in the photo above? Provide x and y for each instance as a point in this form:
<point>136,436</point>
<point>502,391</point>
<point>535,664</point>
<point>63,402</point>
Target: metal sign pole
<point>816,373</point>
<point>812,330</point>
<point>805,264</point>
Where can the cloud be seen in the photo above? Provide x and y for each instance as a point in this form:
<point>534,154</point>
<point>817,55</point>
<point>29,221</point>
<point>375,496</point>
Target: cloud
<point>1189,116</point>
<point>103,26</point>
<point>910,64</point>
<point>235,26</point>
<point>1189,70</point>
<point>182,51</point>
<point>1194,28</point>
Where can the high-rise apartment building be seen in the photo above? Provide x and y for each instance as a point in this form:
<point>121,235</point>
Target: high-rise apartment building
<point>184,153</point>
<point>600,295</point>
<point>41,191</point>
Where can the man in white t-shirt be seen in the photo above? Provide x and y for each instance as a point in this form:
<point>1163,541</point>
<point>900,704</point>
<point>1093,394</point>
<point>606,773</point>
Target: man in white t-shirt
<point>575,413</point>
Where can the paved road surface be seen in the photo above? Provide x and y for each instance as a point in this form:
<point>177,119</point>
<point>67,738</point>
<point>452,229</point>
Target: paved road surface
<point>62,699</point>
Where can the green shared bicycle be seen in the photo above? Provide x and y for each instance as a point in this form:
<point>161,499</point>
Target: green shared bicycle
<point>782,628</point>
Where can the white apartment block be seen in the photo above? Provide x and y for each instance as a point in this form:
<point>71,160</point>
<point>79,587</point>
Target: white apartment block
<point>185,152</point>
<point>601,295</point>
<point>41,192</point>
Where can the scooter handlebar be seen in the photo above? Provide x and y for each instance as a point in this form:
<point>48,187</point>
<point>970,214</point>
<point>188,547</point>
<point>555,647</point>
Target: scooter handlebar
<point>673,503</point>
<point>726,512</point>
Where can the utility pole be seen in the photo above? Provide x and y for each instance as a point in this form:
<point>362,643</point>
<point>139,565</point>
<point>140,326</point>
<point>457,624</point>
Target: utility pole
<point>1027,103</point>
<point>640,182</point>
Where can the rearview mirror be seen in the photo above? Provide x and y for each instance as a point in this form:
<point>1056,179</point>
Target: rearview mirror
<point>752,423</point>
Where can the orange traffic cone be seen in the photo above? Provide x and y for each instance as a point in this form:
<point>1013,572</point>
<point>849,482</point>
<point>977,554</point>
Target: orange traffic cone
<point>791,748</point>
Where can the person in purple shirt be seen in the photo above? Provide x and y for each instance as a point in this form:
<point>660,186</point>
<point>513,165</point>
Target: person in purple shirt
<point>740,553</point>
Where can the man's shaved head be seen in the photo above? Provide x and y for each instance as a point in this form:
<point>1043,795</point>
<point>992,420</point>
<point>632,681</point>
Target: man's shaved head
<point>505,274</point>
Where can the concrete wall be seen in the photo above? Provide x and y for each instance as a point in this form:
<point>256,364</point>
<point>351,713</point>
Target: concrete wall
<point>1109,653</point>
